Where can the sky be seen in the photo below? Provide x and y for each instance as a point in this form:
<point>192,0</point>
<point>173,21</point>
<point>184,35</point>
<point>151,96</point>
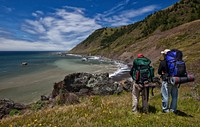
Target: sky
<point>59,25</point>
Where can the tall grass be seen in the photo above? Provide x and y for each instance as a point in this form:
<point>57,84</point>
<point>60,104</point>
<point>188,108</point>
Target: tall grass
<point>112,111</point>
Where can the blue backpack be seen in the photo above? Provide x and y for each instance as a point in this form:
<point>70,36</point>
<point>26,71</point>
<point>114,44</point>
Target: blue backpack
<point>175,63</point>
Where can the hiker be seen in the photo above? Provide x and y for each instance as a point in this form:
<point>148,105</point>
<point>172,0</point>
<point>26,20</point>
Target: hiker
<point>139,64</point>
<point>167,88</point>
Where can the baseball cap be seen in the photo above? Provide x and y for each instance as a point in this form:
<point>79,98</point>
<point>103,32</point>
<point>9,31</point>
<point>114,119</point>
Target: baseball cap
<point>140,55</point>
<point>165,51</point>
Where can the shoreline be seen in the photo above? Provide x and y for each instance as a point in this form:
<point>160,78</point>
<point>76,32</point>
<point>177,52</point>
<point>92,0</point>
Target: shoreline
<point>23,87</point>
<point>41,84</point>
<point>121,76</point>
<point>123,68</point>
<point>28,88</point>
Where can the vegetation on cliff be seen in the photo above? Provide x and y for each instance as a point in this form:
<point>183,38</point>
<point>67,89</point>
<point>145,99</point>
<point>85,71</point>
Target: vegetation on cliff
<point>177,26</point>
<point>112,111</point>
<point>113,42</point>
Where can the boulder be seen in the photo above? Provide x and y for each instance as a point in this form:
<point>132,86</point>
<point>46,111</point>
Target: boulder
<point>97,84</point>
<point>87,84</point>
<point>6,105</point>
<point>128,85</point>
<point>44,98</point>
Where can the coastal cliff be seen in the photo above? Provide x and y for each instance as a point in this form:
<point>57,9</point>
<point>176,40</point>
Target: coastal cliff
<point>176,27</point>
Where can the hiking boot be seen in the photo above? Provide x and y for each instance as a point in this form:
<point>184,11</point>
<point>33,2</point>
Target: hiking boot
<point>165,111</point>
<point>171,110</point>
<point>135,112</point>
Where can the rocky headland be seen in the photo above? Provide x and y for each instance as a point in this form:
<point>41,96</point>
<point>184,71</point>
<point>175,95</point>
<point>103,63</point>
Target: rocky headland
<point>69,90</point>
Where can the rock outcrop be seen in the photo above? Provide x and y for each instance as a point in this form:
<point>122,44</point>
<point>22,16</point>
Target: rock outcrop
<point>6,106</point>
<point>69,90</point>
<point>87,84</point>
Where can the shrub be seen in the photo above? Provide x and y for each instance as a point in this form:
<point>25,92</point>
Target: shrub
<point>37,106</point>
<point>14,112</point>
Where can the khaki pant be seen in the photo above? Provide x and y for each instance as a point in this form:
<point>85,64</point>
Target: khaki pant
<point>135,98</point>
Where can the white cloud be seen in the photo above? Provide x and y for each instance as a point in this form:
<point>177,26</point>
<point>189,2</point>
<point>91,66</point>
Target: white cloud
<point>68,26</point>
<point>6,9</point>
<point>3,32</point>
<point>37,13</point>
<point>116,8</point>
<point>60,30</point>
<point>140,11</point>
<point>124,17</point>
<point>34,26</point>
<point>75,9</point>
<point>63,24</point>
<point>19,45</point>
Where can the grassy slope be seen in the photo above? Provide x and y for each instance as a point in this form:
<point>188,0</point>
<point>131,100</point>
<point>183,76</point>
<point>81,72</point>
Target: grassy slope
<point>185,37</point>
<point>113,42</point>
<point>170,28</point>
<point>113,111</point>
<point>156,32</point>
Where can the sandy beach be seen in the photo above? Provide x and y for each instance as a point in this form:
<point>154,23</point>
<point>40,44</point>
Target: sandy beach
<point>29,87</point>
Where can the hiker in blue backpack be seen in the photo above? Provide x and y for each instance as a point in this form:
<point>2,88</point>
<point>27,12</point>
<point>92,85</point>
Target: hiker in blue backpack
<point>167,88</point>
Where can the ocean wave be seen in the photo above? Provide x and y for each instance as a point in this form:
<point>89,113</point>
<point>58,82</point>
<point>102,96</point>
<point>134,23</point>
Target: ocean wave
<point>121,69</point>
<point>74,55</point>
<point>120,65</point>
<point>94,57</point>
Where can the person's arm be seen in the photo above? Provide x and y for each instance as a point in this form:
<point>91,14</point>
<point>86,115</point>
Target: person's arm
<point>160,68</point>
<point>132,69</point>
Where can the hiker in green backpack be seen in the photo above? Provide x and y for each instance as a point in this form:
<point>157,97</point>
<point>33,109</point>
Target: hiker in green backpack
<point>140,72</point>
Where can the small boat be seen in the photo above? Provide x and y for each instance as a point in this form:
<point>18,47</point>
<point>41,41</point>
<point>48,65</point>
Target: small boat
<point>24,63</point>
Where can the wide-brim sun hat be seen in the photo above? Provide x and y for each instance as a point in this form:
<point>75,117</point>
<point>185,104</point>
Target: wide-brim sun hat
<point>165,51</point>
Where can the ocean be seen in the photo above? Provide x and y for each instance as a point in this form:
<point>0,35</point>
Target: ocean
<point>26,83</point>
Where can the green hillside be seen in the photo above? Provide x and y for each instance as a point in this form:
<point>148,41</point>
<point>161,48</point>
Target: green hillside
<point>175,27</point>
<point>113,42</point>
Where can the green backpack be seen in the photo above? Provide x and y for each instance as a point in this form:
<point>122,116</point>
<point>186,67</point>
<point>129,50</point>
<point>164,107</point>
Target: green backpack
<point>142,71</point>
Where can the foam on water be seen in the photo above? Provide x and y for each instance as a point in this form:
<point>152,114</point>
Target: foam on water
<point>121,68</point>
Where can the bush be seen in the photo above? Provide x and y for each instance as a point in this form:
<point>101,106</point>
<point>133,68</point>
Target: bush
<point>38,105</point>
<point>14,112</point>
